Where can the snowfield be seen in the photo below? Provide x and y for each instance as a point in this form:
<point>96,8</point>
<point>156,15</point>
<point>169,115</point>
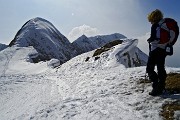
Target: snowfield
<point>102,89</point>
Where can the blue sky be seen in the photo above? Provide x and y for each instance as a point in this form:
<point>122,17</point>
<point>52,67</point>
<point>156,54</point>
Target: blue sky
<point>90,17</point>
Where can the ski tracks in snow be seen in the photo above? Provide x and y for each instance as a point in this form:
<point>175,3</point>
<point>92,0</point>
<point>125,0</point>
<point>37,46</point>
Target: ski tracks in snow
<point>98,95</point>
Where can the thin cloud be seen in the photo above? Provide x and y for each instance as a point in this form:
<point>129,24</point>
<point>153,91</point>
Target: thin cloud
<point>82,30</point>
<point>143,44</point>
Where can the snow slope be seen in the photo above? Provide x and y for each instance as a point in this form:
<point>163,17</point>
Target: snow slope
<point>77,90</point>
<point>17,60</point>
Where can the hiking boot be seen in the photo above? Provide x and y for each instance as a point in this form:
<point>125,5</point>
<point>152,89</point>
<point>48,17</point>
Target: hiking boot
<point>161,86</point>
<point>155,92</point>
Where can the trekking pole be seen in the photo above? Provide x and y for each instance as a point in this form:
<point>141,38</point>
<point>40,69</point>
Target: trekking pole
<point>144,81</point>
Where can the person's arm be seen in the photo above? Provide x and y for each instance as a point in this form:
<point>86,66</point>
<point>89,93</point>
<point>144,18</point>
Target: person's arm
<point>153,33</point>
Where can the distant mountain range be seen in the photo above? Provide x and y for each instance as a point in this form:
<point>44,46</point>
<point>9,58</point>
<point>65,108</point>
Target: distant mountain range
<point>49,43</point>
<point>84,44</point>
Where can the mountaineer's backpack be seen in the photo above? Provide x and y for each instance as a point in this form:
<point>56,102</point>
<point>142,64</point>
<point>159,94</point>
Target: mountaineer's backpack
<point>169,31</point>
<point>168,34</point>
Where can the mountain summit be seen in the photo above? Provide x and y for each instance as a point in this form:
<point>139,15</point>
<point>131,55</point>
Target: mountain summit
<point>84,44</point>
<point>46,39</point>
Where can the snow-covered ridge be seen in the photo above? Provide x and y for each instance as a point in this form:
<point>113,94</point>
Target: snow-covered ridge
<point>127,53</point>
<point>46,39</point>
<point>20,59</point>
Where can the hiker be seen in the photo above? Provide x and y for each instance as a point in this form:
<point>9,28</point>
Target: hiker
<point>157,53</point>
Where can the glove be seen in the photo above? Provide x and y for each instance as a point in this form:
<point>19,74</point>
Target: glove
<point>149,40</point>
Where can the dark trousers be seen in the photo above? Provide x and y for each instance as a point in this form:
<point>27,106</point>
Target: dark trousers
<point>157,58</point>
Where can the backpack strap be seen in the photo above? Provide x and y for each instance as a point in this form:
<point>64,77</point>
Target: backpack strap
<point>162,25</point>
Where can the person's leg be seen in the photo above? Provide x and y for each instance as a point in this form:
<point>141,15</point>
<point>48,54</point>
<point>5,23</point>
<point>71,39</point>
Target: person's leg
<point>150,70</point>
<point>161,70</point>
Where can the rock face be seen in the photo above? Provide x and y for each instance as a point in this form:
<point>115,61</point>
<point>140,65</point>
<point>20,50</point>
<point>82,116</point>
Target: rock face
<point>46,39</point>
<point>3,46</point>
<point>106,47</point>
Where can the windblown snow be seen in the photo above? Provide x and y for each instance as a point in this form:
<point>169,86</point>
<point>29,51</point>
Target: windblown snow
<point>102,89</point>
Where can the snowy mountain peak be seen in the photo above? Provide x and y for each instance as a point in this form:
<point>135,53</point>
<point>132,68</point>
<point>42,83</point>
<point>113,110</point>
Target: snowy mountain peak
<point>83,36</point>
<point>46,39</point>
<point>38,19</point>
<point>84,44</point>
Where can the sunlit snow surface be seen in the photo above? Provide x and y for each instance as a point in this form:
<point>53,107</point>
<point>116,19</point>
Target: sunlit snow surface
<point>104,89</point>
